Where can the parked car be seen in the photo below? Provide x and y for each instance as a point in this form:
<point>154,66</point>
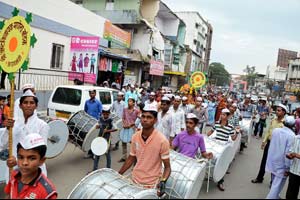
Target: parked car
<point>66,100</point>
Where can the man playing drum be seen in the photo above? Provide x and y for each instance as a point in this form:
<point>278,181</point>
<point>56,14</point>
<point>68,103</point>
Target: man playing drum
<point>188,142</point>
<point>149,149</point>
<point>224,130</point>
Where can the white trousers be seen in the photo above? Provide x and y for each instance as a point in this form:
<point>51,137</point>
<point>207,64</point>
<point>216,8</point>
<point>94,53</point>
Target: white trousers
<point>277,186</point>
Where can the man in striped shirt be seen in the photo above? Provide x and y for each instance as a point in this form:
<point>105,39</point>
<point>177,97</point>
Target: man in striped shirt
<point>224,130</point>
<point>294,180</point>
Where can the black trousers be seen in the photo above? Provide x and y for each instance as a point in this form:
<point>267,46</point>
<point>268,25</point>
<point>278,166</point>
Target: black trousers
<point>261,124</point>
<point>293,188</point>
<point>261,173</point>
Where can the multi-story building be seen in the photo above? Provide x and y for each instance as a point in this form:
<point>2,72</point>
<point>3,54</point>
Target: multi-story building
<point>198,39</point>
<point>293,77</point>
<point>284,56</point>
<point>157,33</point>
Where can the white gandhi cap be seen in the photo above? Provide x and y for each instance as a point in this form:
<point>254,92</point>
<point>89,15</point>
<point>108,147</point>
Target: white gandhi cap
<point>225,110</point>
<point>27,86</point>
<point>191,116</point>
<point>28,93</point>
<point>32,140</point>
<point>150,107</point>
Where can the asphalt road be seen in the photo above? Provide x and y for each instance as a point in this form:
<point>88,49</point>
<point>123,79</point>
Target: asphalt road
<point>70,167</point>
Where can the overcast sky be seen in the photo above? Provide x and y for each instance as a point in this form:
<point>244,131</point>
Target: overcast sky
<point>248,32</point>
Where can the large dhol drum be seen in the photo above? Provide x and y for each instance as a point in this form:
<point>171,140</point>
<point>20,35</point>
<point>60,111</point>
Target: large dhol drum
<point>186,177</point>
<point>108,184</point>
<point>82,130</point>
<point>246,126</point>
<point>117,124</point>
<point>222,152</point>
<point>3,171</point>
<point>57,138</point>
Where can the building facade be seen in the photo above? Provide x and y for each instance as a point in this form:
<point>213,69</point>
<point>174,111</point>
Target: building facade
<point>53,26</point>
<point>293,76</point>
<point>284,56</point>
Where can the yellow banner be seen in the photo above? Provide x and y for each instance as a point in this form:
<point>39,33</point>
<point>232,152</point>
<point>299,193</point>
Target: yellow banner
<point>198,79</point>
<point>14,44</point>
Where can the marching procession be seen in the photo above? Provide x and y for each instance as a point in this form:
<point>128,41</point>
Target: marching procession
<point>174,145</point>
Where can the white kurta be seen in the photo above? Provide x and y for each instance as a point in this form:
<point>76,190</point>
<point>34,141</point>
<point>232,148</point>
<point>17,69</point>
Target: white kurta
<point>164,124</point>
<point>282,140</point>
<point>20,130</point>
<point>178,121</point>
<point>277,163</point>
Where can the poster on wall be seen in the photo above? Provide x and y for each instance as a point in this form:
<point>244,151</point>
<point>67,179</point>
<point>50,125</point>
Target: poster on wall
<point>84,59</point>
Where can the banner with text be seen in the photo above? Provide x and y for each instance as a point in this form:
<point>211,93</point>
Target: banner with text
<point>156,68</point>
<point>84,59</point>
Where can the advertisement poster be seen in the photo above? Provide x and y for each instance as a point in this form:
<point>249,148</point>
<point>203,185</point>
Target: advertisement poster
<point>156,68</point>
<point>84,59</point>
<point>118,37</point>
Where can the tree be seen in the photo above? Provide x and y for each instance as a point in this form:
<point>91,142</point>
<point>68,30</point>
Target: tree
<point>251,75</point>
<point>218,74</point>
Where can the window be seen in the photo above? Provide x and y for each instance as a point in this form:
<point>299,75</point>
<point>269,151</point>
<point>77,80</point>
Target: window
<point>105,97</point>
<point>115,95</point>
<point>168,56</point>
<point>57,56</point>
<point>67,96</point>
<point>109,5</point>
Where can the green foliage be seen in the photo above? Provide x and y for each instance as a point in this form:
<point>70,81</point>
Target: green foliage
<point>251,75</point>
<point>218,74</point>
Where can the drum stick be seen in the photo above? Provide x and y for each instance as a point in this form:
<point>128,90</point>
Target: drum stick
<point>10,130</point>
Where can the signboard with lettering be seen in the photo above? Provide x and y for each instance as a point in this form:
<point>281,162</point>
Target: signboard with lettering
<point>117,36</point>
<point>156,68</point>
<point>84,58</point>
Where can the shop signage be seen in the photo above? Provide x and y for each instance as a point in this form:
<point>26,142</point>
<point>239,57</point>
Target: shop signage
<point>117,36</point>
<point>156,68</point>
<point>84,58</point>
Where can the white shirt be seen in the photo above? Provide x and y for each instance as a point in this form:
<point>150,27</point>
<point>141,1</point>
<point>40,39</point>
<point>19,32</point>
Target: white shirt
<point>164,124</point>
<point>178,121</point>
<point>277,163</point>
<point>118,108</point>
<point>154,103</point>
<point>295,167</point>
<point>20,130</point>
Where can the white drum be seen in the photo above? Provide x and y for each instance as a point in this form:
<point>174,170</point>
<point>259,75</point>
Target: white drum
<point>115,136</point>
<point>2,171</point>
<point>82,130</point>
<point>109,184</point>
<point>57,138</point>
<point>222,152</point>
<point>246,126</point>
<point>186,177</point>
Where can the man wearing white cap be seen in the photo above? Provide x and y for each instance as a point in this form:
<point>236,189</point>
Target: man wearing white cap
<point>224,130</point>
<point>164,118</point>
<point>151,100</point>
<point>201,113</point>
<point>178,119</point>
<point>277,163</point>
<point>150,151</point>
<point>118,107</point>
<point>24,125</point>
<point>281,111</point>
<point>185,106</point>
<point>131,93</point>
<point>17,110</point>
<point>188,142</point>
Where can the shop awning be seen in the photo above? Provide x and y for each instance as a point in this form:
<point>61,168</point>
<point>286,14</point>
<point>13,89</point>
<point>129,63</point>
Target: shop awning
<point>175,73</point>
<point>103,52</point>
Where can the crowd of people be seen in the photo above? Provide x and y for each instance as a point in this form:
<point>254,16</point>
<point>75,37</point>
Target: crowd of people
<point>153,123</point>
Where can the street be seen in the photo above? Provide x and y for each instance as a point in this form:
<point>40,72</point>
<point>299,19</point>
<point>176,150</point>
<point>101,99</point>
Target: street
<point>70,167</point>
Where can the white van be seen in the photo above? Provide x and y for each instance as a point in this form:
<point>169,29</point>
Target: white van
<point>66,100</point>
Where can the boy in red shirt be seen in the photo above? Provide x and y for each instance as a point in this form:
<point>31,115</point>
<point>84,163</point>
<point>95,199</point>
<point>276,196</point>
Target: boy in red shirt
<point>28,181</point>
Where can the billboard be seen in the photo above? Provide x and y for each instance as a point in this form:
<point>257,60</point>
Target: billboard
<point>117,36</point>
<point>84,59</point>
